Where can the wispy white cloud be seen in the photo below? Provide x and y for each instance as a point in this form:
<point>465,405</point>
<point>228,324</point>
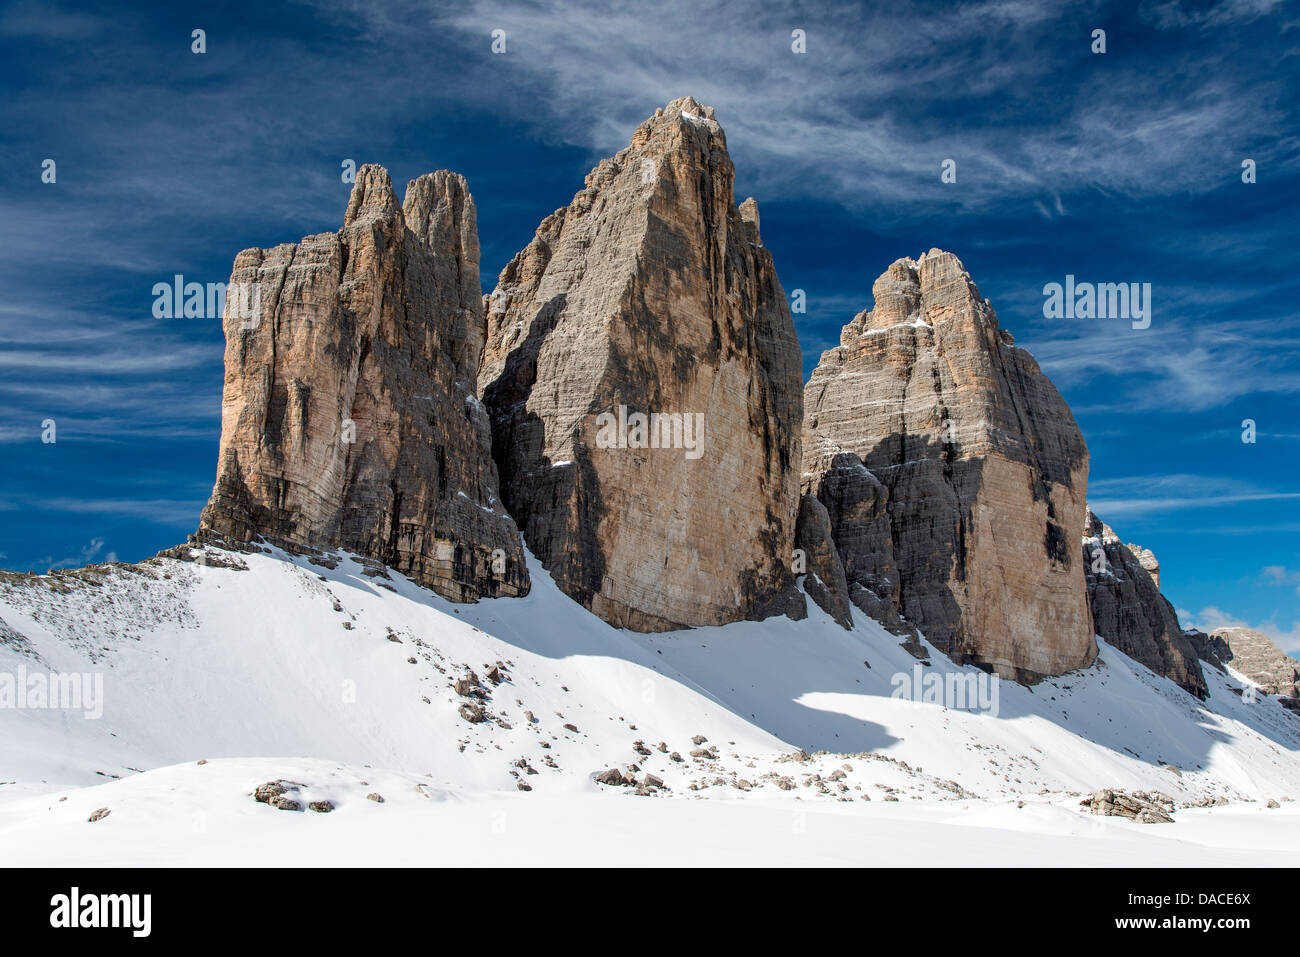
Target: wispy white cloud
<point>1175,14</point>
<point>1177,363</point>
<point>868,113</point>
<point>1281,575</point>
<point>162,511</point>
<point>84,556</point>
<point>1149,494</point>
<point>28,20</point>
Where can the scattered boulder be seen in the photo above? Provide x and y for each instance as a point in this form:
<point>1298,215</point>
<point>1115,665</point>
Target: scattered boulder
<point>469,686</point>
<point>281,795</point>
<point>473,713</point>
<point>1141,807</point>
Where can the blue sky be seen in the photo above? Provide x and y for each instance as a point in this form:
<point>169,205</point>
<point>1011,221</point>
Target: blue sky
<point>1120,167</point>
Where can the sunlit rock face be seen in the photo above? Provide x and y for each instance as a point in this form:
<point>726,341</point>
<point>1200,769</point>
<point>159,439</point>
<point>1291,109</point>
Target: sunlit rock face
<point>1256,656</point>
<point>984,474</point>
<point>651,294</point>
<point>349,416</point>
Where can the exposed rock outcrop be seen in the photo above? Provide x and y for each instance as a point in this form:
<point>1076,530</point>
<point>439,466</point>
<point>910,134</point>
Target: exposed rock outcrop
<point>1211,649</point>
<point>1129,611</point>
<point>856,504</point>
<point>824,581</point>
<point>651,294</point>
<point>1142,807</point>
<point>1254,655</point>
<point>349,417</point>
<point>983,469</point>
<point>1147,559</point>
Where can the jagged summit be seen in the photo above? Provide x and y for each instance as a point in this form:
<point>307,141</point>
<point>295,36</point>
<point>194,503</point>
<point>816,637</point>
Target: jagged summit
<point>349,416</point>
<point>372,196</point>
<point>934,287</point>
<point>687,107</point>
<point>650,293</point>
<point>983,467</point>
<point>1256,656</point>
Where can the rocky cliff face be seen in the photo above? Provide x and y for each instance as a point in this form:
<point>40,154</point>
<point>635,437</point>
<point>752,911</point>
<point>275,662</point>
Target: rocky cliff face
<point>1211,649</point>
<point>1147,559</point>
<point>1129,611</point>
<point>349,416</point>
<point>1259,659</point>
<point>824,570</point>
<point>647,314</point>
<point>983,474</point>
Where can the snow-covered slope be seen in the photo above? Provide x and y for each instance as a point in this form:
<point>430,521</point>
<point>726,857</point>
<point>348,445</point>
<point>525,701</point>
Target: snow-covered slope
<point>343,679</point>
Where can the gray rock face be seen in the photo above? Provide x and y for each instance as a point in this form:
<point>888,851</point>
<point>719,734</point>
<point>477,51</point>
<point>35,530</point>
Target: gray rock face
<point>350,417</point>
<point>1259,659</point>
<point>1211,649</point>
<point>983,469</point>
<point>857,506</point>
<point>1129,611</point>
<point>825,582</point>
<point>651,294</point>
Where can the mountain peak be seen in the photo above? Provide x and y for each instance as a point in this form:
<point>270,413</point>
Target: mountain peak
<point>649,298</point>
<point>372,196</point>
<point>984,466</point>
<point>349,417</point>
<point>688,107</point>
